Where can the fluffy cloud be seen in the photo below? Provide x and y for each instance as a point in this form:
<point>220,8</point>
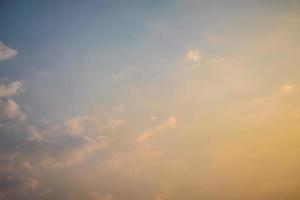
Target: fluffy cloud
<point>10,89</point>
<point>6,52</point>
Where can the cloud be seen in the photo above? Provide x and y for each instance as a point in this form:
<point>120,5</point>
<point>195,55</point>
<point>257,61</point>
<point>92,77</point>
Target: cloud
<point>12,187</point>
<point>80,124</point>
<point>22,183</point>
<point>6,52</point>
<point>144,136</point>
<point>11,89</point>
<point>10,110</point>
<point>62,148</point>
<point>72,142</point>
<point>169,123</point>
<point>75,124</point>
<point>203,147</point>
<point>28,151</point>
<point>34,134</point>
<point>287,88</point>
<point>193,55</point>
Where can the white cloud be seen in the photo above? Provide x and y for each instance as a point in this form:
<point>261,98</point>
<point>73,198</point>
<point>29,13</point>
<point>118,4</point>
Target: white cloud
<point>6,52</point>
<point>193,55</point>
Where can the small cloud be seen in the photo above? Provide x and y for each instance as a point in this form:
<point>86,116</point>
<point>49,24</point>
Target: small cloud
<point>172,121</point>
<point>34,134</point>
<point>169,123</point>
<point>75,124</point>
<point>9,109</point>
<point>6,52</point>
<point>144,136</point>
<point>193,55</point>
<point>287,88</point>
<point>154,118</point>
<point>114,123</point>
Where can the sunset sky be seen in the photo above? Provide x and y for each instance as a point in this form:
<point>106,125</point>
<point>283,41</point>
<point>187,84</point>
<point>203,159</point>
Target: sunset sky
<point>149,100</point>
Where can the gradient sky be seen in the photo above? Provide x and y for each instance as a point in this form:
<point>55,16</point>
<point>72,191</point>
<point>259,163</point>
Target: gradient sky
<point>149,100</point>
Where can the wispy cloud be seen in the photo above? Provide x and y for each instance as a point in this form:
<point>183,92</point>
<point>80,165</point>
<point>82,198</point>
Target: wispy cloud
<point>169,123</point>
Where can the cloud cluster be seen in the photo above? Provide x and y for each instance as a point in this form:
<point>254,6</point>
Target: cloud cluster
<point>28,150</point>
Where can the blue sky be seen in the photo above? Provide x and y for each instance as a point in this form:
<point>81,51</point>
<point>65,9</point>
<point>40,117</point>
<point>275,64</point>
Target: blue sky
<point>152,100</point>
<point>70,40</point>
<point>74,43</point>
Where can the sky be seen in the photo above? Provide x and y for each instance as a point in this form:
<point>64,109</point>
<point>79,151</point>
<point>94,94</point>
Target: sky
<point>149,100</point>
